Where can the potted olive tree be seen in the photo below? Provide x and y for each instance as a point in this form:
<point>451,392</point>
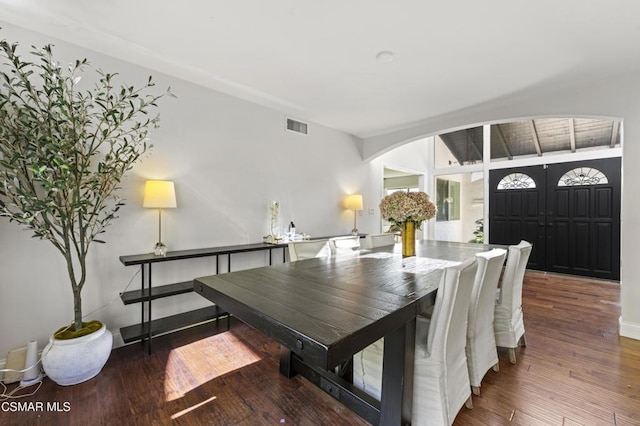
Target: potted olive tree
<point>63,154</point>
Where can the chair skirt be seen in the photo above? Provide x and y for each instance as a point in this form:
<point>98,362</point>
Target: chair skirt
<point>508,327</point>
<point>438,392</point>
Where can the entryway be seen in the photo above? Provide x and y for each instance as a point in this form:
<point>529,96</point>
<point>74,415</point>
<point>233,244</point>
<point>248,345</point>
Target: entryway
<point>569,211</point>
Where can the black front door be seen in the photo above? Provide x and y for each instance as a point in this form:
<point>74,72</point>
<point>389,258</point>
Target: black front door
<point>571,214</point>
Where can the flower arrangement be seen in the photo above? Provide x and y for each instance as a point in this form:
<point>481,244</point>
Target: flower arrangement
<point>274,210</point>
<point>401,207</point>
<point>274,221</point>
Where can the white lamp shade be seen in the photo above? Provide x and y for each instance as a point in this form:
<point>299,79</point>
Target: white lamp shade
<point>159,194</point>
<point>353,202</point>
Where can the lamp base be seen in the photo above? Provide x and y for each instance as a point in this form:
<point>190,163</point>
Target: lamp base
<point>160,249</point>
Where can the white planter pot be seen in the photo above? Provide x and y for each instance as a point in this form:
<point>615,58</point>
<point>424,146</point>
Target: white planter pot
<point>73,361</point>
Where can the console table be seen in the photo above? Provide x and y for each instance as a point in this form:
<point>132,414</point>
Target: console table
<point>147,328</point>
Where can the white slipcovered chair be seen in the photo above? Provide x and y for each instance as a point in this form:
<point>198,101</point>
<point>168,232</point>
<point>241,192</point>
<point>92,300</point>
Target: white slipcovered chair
<point>508,324</point>
<point>299,250</point>
<point>347,244</point>
<point>380,240</point>
<point>441,381</point>
<point>481,343</point>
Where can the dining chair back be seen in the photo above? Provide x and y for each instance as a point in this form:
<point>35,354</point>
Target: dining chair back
<point>441,380</point>
<point>348,244</point>
<point>508,323</point>
<point>380,240</point>
<point>299,250</point>
<point>481,344</point>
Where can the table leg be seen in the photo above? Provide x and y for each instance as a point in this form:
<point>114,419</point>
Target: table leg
<point>149,312</point>
<point>217,317</point>
<point>396,403</point>
<point>142,305</point>
<point>286,363</point>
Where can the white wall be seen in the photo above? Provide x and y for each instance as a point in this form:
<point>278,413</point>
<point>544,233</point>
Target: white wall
<point>229,158</point>
<point>615,98</point>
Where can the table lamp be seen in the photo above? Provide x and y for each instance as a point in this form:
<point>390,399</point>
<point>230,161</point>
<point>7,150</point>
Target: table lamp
<point>354,202</point>
<point>159,194</point>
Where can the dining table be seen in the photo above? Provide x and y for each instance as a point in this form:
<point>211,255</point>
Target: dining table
<point>324,310</point>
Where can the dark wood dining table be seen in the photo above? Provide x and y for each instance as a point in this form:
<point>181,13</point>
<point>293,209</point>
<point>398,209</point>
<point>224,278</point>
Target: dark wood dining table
<point>322,311</point>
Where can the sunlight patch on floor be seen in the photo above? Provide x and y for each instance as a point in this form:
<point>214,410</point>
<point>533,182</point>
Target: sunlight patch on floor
<point>193,407</point>
<point>191,365</point>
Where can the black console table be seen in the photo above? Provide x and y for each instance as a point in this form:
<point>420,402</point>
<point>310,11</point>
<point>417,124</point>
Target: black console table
<point>147,328</point>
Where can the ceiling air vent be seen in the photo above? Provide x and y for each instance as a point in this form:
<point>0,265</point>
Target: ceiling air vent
<point>296,126</point>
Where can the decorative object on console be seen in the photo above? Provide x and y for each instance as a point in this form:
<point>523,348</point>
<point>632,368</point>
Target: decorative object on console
<point>354,202</point>
<point>274,221</point>
<point>63,153</point>
<point>407,210</point>
<point>159,194</point>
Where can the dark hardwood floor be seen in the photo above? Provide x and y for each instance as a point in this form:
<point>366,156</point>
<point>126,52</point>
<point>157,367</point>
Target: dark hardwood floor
<point>576,370</point>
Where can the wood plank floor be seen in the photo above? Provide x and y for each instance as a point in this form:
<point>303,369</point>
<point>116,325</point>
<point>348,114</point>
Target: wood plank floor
<point>576,370</point>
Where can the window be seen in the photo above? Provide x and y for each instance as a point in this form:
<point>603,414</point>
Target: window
<point>447,200</point>
<point>516,181</point>
<point>583,176</point>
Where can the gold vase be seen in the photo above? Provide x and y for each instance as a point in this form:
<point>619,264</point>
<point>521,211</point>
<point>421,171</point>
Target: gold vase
<point>408,239</point>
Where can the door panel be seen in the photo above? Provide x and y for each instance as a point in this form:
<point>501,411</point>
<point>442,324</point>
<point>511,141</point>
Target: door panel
<point>604,199</point>
<point>581,238</point>
<point>558,255</point>
<point>500,205</point>
<point>562,205</point>
<point>581,208</point>
<point>604,237</point>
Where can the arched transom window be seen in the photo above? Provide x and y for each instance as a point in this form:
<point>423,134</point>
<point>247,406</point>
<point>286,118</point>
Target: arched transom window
<point>517,181</point>
<point>583,176</point>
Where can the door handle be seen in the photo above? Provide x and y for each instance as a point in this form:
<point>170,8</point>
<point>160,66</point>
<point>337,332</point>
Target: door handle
<point>550,224</point>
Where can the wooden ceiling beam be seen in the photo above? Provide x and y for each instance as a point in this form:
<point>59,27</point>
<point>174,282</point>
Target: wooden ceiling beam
<point>503,142</point>
<point>614,134</point>
<point>474,143</point>
<point>572,134</point>
<point>536,141</point>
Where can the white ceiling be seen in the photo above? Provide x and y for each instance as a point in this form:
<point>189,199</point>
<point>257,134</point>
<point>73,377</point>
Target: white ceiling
<point>316,60</point>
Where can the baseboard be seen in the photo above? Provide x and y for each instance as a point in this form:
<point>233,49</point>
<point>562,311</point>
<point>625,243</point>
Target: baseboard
<point>630,330</point>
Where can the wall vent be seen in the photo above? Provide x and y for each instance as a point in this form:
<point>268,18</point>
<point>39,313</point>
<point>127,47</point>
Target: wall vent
<point>296,126</point>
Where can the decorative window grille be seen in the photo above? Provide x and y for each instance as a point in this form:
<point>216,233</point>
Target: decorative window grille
<point>516,181</point>
<point>583,176</point>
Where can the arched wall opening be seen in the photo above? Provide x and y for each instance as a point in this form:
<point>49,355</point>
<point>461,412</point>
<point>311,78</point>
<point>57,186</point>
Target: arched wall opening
<point>446,172</point>
<point>376,147</point>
